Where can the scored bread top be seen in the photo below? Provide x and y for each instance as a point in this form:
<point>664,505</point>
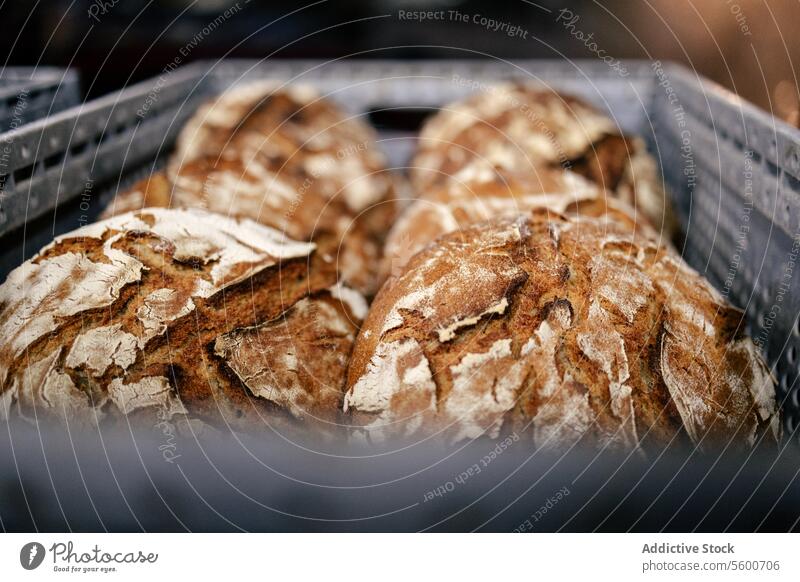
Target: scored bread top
<point>521,127</point>
<point>562,329</point>
<point>288,159</point>
<point>292,125</point>
<point>477,193</point>
<point>285,202</point>
<point>177,315</point>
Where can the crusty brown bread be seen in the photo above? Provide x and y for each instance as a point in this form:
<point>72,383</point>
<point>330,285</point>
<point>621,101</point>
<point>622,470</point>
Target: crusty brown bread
<point>302,134</point>
<point>290,160</point>
<point>478,193</point>
<point>180,316</point>
<point>282,201</point>
<point>154,191</point>
<point>522,127</point>
<point>562,329</point>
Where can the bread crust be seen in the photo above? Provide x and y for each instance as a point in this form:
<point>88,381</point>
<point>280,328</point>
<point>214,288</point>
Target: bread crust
<point>289,204</point>
<point>296,128</point>
<point>476,194</point>
<point>179,316</point>
<point>290,160</point>
<point>563,329</point>
<point>523,127</point>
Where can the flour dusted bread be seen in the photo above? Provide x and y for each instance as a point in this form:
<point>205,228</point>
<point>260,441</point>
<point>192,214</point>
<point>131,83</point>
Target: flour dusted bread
<point>295,127</point>
<point>560,329</point>
<point>477,193</point>
<point>290,160</point>
<point>180,316</point>
<point>521,127</point>
<point>283,201</point>
<point>154,191</point>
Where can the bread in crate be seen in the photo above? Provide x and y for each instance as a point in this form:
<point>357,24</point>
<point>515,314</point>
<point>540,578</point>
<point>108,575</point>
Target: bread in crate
<point>522,127</point>
<point>563,330</point>
<point>477,193</point>
<point>288,159</point>
<point>303,134</point>
<point>279,200</point>
<point>178,316</point>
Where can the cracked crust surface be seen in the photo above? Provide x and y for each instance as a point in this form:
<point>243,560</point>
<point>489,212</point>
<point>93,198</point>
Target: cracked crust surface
<point>522,127</point>
<point>562,329</point>
<point>288,159</point>
<point>181,316</point>
<point>477,193</point>
<point>302,134</point>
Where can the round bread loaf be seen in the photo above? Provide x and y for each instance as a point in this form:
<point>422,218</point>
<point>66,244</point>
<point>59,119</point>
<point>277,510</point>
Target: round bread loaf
<point>306,135</point>
<point>178,316</point>
<point>290,160</point>
<point>286,202</point>
<point>477,193</point>
<point>520,127</point>
<point>562,329</point>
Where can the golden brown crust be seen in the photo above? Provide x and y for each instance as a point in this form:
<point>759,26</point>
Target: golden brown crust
<point>176,316</point>
<point>476,194</point>
<point>521,128</point>
<point>154,191</point>
<point>290,160</point>
<point>562,329</point>
<point>295,128</point>
<point>289,204</point>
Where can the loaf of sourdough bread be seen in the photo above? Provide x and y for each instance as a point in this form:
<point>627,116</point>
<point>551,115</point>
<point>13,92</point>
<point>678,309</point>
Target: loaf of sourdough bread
<point>302,134</point>
<point>477,193</point>
<point>279,200</point>
<point>561,329</point>
<point>178,316</point>
<point>290,160</point>
<point>522,127</point>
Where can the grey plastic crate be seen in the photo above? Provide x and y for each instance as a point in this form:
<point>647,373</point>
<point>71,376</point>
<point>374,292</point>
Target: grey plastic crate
<point>28,93</point>
<point>734,171</point>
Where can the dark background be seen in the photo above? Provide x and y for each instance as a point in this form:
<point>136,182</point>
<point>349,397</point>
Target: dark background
<point>747,45</point>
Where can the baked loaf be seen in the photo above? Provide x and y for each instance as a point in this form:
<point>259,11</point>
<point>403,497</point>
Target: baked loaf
<point>305,134</point>
<point>560,329</point>
<point>279,200</point>
<point>477,193</point>
<point>290,160</point>
<point>179,316</point>
<point>521,127</point>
